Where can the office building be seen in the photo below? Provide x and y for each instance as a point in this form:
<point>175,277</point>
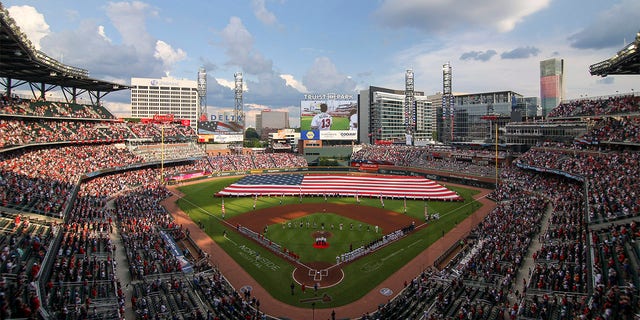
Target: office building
<point>551,84</point>
<point>272,120</point>
<point>163,96</point>
<point>382,117</point>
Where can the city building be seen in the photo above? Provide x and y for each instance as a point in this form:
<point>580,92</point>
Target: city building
<point>382,117</point>
<point>164,96</point>
<point>284,140</point>
<point>476,114</point>
<point>530,134</point>
<point>272,120</point>
<point>551,84</point>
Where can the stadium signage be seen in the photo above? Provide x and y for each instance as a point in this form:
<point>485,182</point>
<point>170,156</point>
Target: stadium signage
<point>224,117</point>
<point>329,135</point>
<point>156,82</point>
<point>258,261</point>
<point>328,96</point>
<point>338,135</point>
<point>163,117</point>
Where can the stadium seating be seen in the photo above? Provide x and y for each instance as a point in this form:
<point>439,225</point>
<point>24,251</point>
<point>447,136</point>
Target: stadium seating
<point>567,212</point>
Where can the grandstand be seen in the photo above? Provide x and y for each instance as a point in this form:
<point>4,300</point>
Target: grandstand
<point>84,235</point>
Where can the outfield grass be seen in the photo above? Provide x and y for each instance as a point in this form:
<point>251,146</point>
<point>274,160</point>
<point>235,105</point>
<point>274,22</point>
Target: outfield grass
<point>361,276</point>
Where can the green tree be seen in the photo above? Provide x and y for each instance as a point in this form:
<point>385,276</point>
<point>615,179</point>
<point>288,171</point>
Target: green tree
<point>251,133</point>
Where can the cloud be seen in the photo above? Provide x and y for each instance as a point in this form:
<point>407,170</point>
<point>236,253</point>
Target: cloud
<point>168,55</point>
<point>129,18</point>
<point>520,53</point>
<point>31,23</point>
<point>323,76</point>
<point>263,84</point>
<point>292,82</point>
<point>261,12</point>
<point>610,28</point>
<point>138,54</point>
<point>445,16</point>
<point>478,55</point>
<point>270,89</point>
<point>238,44</point>
<point>103,34</point>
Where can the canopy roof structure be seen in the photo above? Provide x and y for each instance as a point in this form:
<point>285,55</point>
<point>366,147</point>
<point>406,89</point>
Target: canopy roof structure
<point>626,61</point>
<point>21,63</point>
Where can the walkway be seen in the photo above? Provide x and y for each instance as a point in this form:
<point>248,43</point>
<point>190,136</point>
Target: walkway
<point>528,263</point>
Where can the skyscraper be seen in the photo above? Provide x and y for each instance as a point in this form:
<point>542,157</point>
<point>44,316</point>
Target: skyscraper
<point>551,84</point>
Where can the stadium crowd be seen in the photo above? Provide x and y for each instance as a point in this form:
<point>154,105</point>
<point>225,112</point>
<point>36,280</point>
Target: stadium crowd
<point>612,105</point>
<point>585,253</point>
<point>473,162</point>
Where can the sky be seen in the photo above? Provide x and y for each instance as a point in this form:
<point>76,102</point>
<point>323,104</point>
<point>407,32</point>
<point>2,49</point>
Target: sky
<point>286,48</point>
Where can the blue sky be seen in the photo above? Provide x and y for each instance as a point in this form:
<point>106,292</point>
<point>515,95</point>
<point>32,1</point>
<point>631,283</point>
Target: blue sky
<point>286,48</point>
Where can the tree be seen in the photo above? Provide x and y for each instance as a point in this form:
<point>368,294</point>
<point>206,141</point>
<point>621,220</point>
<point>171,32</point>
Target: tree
<point>251,133</point>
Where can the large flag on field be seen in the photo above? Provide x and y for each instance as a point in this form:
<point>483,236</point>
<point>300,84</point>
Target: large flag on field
<point>411,187</point>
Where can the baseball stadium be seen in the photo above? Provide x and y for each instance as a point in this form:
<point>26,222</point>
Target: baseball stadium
<point>109,218</point>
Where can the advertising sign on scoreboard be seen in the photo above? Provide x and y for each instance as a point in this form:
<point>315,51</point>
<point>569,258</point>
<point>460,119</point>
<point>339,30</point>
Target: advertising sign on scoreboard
<point>222,127</point>
<point>329,117</point>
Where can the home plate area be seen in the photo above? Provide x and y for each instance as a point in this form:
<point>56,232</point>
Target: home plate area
<point>322,273</point>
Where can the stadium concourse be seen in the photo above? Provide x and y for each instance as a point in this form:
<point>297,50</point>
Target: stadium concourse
<point>85,235</point>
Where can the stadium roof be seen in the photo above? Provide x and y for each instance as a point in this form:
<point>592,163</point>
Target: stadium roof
<point>20,60</point>
<point>626,61</point>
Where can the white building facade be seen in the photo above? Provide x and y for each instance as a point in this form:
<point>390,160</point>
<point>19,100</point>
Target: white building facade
<point>161,96</point>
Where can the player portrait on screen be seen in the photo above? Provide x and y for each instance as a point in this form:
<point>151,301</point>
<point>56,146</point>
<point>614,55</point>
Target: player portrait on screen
<point>322,120</point>
<point>353,120</point>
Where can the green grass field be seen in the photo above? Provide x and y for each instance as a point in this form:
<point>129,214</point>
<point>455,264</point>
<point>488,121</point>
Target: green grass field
<point>338,123</point>
<point>362,275</point>
<point>297,234</point>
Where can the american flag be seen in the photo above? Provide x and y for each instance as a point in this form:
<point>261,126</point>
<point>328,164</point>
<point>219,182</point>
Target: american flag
<point>297,184</point>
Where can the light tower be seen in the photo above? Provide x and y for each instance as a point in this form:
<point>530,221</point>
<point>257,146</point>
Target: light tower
<point>447,104</point>
<point>202,94</point>
<point>238,111</point>
<point>409,106</point>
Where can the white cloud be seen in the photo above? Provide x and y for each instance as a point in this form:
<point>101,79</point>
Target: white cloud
<point>168,55</point>
<point>226,83</point>
<point>129,18</point>
<point>262,83</point>
<point>103,34</point>
<point>31,23</point>
<point>455,15</point>
<point>323,76</point>
<point>238,44</point>
<point>292,82</point>
<point>262,13</point>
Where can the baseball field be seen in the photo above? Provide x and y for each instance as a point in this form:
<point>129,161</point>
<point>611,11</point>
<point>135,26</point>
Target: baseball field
<point>294,225</point>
